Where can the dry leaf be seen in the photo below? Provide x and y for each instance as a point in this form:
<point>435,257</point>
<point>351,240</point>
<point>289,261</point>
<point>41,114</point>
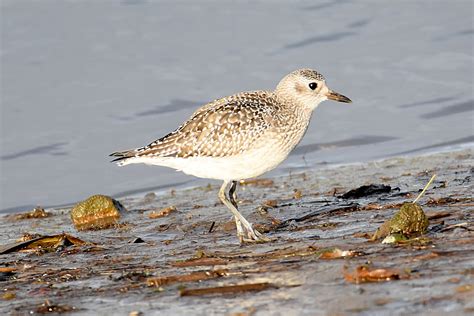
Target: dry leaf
<point>164,212</point>
<point>8,296</point>
<point>364,274</point>
<point>465,288</point>
<point>38,212</point>
<point>336,253</point>
<point>297,194</point>
<point>44,243</point>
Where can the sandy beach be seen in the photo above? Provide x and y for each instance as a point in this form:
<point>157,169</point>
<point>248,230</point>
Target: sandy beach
<point>189,261</point>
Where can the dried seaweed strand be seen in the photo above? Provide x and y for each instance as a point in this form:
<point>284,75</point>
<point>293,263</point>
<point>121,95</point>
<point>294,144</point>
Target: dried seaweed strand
<point>424,189</point>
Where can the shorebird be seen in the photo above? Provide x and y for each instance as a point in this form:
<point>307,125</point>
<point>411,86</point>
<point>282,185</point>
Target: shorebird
<point>239,137</point>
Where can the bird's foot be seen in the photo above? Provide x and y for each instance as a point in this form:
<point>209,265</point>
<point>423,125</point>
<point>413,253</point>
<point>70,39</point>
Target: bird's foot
<point>252,236</point>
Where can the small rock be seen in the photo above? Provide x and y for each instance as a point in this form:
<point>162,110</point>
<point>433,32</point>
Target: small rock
<point>96,212</point>
<point>149,197</point>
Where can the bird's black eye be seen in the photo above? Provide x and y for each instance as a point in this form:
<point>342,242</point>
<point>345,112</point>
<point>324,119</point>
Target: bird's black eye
<point>313,85</point>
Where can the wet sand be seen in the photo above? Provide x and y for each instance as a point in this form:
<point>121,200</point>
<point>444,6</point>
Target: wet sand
<point>190,260</point>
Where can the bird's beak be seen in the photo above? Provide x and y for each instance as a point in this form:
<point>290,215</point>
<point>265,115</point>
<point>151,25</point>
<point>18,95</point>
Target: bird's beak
<point>333,95</point>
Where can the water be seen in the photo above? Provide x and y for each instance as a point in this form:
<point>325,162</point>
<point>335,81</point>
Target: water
<point>80,80</point>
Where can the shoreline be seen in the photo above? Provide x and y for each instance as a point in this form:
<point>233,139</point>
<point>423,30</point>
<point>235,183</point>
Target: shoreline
<point>278,172</point>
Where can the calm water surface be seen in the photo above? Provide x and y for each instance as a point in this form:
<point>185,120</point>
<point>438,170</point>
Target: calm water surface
<point>80,80</point>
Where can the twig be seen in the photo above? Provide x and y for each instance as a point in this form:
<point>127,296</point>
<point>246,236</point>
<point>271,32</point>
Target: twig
<point>424,189</point>
<point>464,225</point>
<point>212,226</point>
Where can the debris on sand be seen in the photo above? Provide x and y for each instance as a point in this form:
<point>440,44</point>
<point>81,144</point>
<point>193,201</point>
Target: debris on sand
<point>193,262</point>
<point>149,197</point>
<point>364,274</point>
<point>136,240</point>
<point>366,190</point>
<point>322,211</point>
<point>270,203</point>
<point>7,269</point>
<point>6,273</point>
<point>48,307</point>
<point>28,236</point>
<point>96,212</point>
<point>297,195</point>
<point>148,261</point>
<point>228,289</point>
<point>43,243</point>
<point>257,182</point>
<point>164,212</point>
<point>465,288</point>
<point>409,221</point>
<point>190,277</point>
<point>37,212</point>
<point>8,296</point>
<point>336,253</point>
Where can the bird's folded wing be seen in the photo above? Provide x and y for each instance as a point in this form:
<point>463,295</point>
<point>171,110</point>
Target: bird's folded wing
<point>225,127</point>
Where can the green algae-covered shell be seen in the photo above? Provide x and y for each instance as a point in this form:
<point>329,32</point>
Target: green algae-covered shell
<point>96,212</point>
<point>409,220</point>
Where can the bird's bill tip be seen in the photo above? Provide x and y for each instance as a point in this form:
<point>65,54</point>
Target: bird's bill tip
<point>333,95</point>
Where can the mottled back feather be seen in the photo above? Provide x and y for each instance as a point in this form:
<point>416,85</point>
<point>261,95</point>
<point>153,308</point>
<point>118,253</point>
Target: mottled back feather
<point>224,127</point>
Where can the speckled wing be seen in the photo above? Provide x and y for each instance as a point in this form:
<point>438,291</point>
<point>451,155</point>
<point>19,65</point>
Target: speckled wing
<point>224,127</point>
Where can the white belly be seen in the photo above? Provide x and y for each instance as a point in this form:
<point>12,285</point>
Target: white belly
<point>243,166</point>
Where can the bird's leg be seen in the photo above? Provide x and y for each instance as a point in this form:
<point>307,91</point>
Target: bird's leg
<point>233,198</point>
<point>252,235</point>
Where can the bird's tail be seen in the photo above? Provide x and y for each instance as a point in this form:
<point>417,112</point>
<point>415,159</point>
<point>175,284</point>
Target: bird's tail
<point>123,157</point>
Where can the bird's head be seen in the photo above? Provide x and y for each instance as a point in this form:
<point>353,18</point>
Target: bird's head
<point>307,88</point>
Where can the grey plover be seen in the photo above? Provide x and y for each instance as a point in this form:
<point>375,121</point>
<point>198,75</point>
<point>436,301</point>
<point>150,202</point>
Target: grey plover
<point>239,137</point>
